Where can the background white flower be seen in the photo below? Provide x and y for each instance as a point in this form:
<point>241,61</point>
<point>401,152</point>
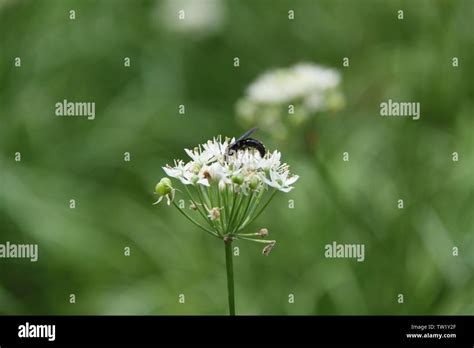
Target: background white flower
<point>198,17</point>
<point>300,81</point>
<point>289,96</point>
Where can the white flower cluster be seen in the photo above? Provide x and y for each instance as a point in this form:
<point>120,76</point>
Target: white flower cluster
<point>244,171</point>
<point>228,188</point>
<point>289,96</point>
<point>304,81</point>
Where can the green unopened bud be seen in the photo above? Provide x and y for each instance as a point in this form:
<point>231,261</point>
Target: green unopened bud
<point>195,168</point>
<point>253,183</point>
<point>238,179</point>
<point>195,179</point>
<point>163,187</point>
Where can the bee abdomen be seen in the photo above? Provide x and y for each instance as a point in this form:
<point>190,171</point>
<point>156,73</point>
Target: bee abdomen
<point>249,143</point>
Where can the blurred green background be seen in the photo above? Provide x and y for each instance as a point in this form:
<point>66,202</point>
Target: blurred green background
<point>81,250</point>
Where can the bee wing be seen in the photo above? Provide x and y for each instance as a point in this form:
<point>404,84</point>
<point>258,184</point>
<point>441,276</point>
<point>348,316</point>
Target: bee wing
<point>246,134</point>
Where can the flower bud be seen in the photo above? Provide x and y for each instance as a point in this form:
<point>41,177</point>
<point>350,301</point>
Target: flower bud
<point>268,248</point>
<point>253,183</point>
<point>263,232</point>
<point>214,213</point>
<point>194,179</point>
<point>238,179</point>
<point>163,187</point>
<point>195,168</point>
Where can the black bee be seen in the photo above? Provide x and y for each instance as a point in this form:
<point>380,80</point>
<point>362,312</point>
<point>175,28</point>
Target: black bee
<point>245,143</point>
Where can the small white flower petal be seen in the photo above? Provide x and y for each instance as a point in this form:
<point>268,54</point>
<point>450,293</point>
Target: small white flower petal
<point>159,200</point>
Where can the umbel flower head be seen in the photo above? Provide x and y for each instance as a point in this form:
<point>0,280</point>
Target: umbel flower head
<point>227,190</point>
<point>290,96</point>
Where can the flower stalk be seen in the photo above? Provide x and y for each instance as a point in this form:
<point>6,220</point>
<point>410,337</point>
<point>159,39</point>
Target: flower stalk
<point>230,275</point>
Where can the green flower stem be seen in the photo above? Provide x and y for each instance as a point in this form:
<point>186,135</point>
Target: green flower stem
<point>202,213</point>
<point>219,205</point>
<point>203,196</point>
<point>234,213</point>
<point>234,199</point>
<point>214,204</point>
<point>264,241</point>
<point>226,209</point>
<point>248,234</point>
<point>238,213</point>
<point>226,206</point>
<point>228,198</point>
<point>230,275</point>
<point>244,214</point>
<point>209,194</point>
<point>195,222</point>
<point>252,210</point>
<point>261,210</point>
